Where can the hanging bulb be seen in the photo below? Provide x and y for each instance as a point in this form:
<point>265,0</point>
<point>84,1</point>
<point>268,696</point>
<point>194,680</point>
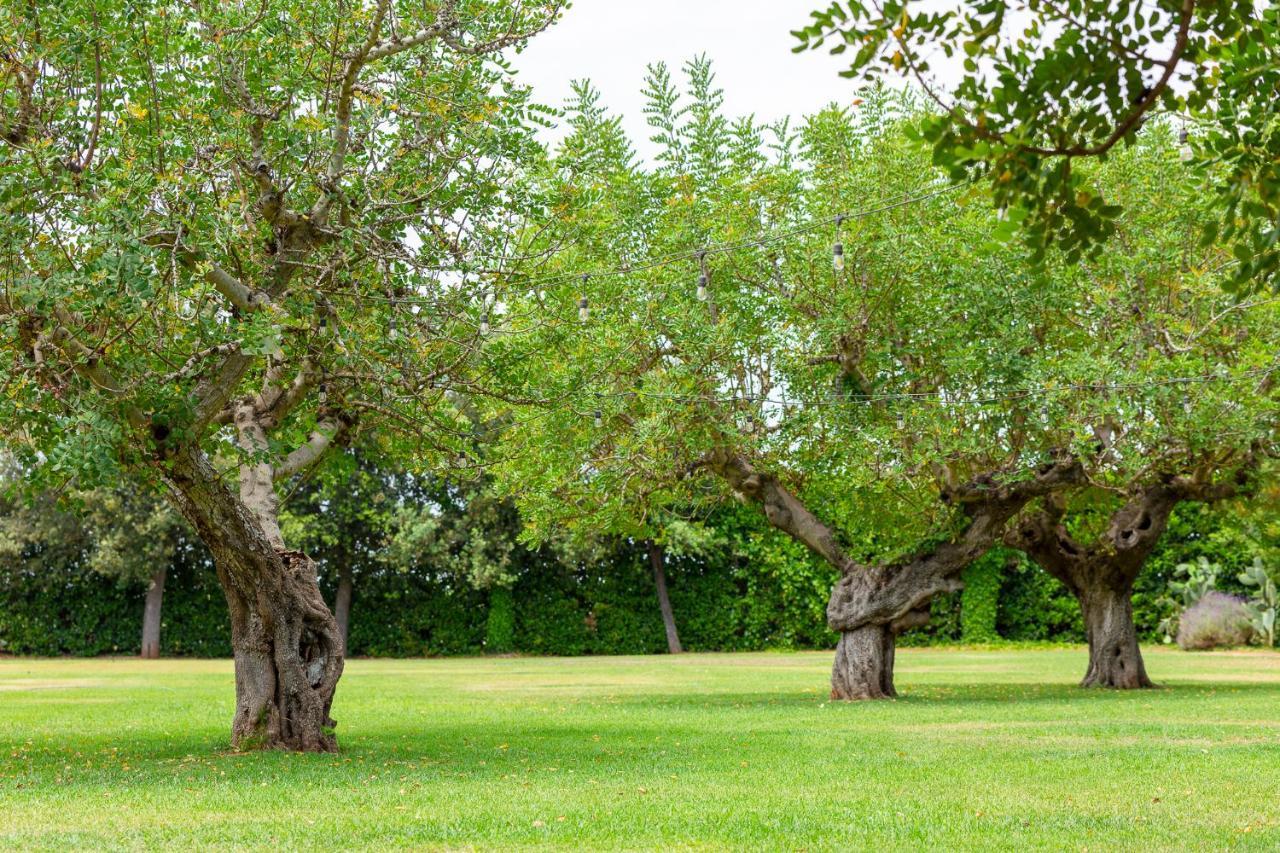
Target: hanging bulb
<point>599,419</point>
<point>837,251</point>
<point>324,325</point>
<point>323,395</point>
<point>484,326</point>
<point>392,331</point>
<point>902,423</point>
<point>702,287</point>
<point>1185,152</point>
<point>184,309</point>
<point>584,311</point>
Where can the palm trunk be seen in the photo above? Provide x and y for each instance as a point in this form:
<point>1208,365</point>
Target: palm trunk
<point>664,601</point>
<point>151,615</point>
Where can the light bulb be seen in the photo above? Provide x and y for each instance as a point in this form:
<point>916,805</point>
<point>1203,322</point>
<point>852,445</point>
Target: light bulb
<point>324,325</point>
<point>837,257</point>
<point>702,288</point>
<point>392,331</point>
<point>484,326</point>
<point>324,394</point>
<point>584,311</point>
<point>599,419</point>
<point>1185,152</point>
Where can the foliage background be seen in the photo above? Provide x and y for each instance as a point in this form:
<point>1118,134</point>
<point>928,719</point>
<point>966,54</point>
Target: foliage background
<point>756,590</point>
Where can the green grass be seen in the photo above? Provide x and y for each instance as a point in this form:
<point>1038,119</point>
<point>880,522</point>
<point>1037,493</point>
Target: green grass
<point>987,749</point>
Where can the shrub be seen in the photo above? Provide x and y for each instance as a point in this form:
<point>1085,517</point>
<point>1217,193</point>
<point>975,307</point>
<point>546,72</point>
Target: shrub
<point>1217,620</point>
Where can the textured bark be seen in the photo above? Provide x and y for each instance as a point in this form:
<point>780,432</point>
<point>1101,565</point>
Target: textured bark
<point>151,614</point>
<point>871,604</point>
<point>342,603</point>
<point>664,601</point>
<point>1114,658</point>
<point>288,650</point>
<point>864,664</point>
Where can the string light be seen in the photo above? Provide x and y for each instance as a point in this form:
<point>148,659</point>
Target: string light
<point>584,309</point>
<point>702,276</point>
<point>323,394</point>
<point>599,419</point>
<point>484,325</point>
<point>1185,151</point>
<point>837,251</point>
<point>324,325</point>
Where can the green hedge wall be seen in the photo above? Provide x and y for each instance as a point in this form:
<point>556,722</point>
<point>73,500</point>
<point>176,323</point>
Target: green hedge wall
<point>770,593</point>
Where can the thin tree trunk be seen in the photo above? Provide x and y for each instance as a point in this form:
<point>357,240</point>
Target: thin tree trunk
<point>151,614</point>
<point>288,651</point>
<point>342,602</point>
<point>1114,657</point>
<point>664,601</point>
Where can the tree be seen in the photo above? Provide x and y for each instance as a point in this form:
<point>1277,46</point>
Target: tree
<point>235,236</point>
<point>760,372</point>
<point>893,414</point>
<point>1046,85</point>
<point>1195,424</point>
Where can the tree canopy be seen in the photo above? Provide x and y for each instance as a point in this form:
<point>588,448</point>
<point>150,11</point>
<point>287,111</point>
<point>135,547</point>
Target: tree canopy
<point>1047,84</point>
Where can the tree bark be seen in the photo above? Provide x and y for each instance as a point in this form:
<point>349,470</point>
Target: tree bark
<point>864,664</point>
<point>664,601</point>
<point>151,615</point>
<point>342,602</point>
<point>288,650</point>
<point>1114,658</point>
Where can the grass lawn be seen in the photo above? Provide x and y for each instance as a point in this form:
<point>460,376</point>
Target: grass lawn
<point>985,749</point>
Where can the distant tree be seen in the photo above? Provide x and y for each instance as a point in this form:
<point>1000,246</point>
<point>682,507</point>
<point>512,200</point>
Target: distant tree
<point>125,532</point>
<point>235,235</point>
<point>1048,84</point>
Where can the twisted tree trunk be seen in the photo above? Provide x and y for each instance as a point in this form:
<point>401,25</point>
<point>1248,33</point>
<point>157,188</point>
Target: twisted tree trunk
<point>151,615</point>
<point>863,667</point>
<point>287,645</point>
<point>1114,657</point>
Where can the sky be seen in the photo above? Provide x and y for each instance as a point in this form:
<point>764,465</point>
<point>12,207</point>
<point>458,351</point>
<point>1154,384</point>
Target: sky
<point>611,41</point>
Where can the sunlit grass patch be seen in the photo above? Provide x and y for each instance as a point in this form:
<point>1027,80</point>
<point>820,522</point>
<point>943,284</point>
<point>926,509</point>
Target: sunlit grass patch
<point>987,748</point>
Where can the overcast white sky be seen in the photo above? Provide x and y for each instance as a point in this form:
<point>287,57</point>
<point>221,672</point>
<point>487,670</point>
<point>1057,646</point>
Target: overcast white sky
<point>611,41</point>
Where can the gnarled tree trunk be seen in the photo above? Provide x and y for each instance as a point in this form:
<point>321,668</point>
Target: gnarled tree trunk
<point>1101,577</point>
<point>151,614</point>
<point>863,667</point>
<point>287,645</point>
<point>1114,658</point>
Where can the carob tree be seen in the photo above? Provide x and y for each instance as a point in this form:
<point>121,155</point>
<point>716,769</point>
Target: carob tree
<point>835,389</point>
<point>230,239</point>
<point>1100,572</point>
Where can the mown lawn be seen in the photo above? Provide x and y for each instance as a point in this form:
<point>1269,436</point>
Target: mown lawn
<point>986,749</point>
